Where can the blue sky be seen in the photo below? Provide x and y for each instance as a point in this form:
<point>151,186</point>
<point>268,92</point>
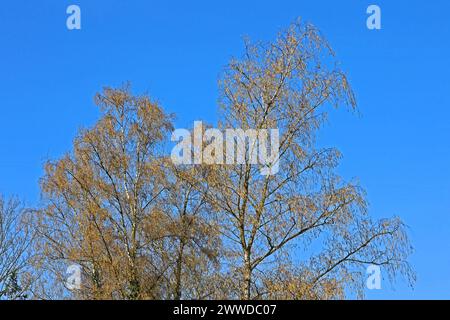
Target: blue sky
<point>398,147</point>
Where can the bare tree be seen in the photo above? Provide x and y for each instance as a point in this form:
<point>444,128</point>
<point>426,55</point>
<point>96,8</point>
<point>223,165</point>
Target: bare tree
<point>303,232</point>
<point>16,237</point>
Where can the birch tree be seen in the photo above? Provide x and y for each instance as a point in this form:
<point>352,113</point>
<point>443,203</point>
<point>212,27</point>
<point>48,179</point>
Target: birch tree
<point>102,211</point>
<point>303,232</point>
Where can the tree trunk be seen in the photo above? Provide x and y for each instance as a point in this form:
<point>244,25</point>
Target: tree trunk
<point>178,272</point>
<point>246,289</point>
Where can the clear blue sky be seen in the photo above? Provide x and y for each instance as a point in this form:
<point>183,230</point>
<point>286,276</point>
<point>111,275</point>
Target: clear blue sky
<point>398,148</point>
